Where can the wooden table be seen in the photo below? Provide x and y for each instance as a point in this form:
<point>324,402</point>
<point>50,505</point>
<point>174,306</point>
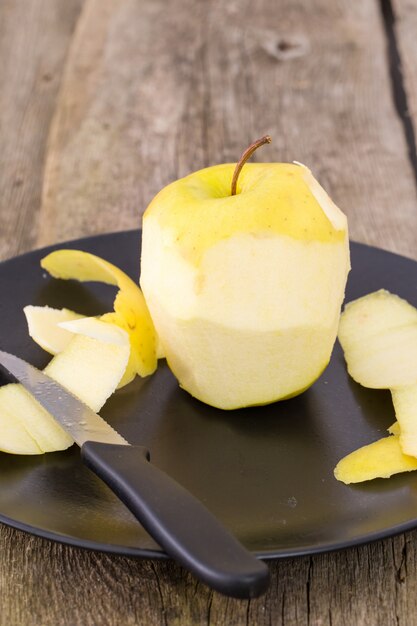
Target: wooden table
<point>103,102</point>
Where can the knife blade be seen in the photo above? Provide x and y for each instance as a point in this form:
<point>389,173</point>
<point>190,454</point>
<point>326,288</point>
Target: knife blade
<point>179,522</point>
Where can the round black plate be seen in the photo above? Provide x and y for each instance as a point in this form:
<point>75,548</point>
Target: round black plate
<point>266,473</point>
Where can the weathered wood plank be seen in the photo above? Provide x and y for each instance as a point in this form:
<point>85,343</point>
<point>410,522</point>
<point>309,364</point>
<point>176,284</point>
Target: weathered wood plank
<point>153,91</point>
<point>33,43</point>
<point>46,583</point>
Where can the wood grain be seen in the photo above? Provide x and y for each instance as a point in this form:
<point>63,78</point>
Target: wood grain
<point>404,23</point>
<point>151,91</point>
<point>46,583</point>
<point>34,38</point>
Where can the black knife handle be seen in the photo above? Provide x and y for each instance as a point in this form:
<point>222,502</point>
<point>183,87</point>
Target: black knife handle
<point>180,523</point>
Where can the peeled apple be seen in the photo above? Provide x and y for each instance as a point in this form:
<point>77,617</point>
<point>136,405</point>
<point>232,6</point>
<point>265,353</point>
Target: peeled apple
<point>245,290</point>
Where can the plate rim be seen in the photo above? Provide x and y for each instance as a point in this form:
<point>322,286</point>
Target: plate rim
<point>160,554</point>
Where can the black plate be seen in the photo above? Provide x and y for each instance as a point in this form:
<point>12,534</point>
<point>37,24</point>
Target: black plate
<point>267,472</point>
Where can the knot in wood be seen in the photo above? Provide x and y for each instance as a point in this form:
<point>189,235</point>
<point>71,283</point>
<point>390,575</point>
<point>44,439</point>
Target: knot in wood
<point>286,47</point>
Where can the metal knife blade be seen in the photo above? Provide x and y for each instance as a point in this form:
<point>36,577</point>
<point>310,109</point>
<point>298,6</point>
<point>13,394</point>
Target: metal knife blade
<point>80,422</point>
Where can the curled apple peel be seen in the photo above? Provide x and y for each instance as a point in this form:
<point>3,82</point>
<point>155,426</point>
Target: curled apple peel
<point>381,459</point>
<point>93,356</point>
<point>130,309</point>
<point>378,334</point>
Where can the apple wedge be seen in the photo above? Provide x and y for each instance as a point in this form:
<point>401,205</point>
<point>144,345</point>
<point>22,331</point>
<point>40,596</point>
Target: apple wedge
<point>90,367</point>
<point>380,459</point>
<point>130,309</point>
<point>43,326</point>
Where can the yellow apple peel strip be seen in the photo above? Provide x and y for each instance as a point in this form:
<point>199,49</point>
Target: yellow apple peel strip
<point>378,334</point>
<point>380,459</point>
<point>130,309</point>
<point>378,331</point>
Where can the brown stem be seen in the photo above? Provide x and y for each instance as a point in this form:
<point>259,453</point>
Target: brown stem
<point>245,156</point>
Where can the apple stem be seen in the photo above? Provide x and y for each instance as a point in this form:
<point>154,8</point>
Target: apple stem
<point>245,156</point>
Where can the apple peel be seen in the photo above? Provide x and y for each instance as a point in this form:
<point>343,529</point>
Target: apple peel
<point>130,309</point>
<point>378,334</point>
<point>381,459</point>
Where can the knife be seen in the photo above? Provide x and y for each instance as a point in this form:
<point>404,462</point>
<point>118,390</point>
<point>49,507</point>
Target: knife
<point>181,524</point>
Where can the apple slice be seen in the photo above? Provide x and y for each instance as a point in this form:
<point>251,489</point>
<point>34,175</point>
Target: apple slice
<point>90,367</point>
<point>378,334</point>
<point>130,309</point>
<point>94,327</point>
<point>100,362</point>
<point>47,327</point>
<point>380,459</point>
<point>15,438</point>
<point>87,325</point>
<point>20,412</point>
<point>43,326</point>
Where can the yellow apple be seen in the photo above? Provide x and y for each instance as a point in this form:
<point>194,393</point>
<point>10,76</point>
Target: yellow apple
<point>245,290</point>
